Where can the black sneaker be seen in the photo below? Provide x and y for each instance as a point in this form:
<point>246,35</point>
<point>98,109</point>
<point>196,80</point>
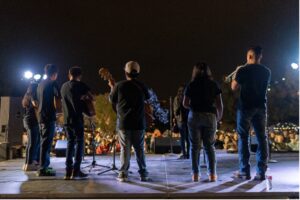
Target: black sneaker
<point>242,175</point>
<point>46,172</point>
<point>145,178</point>
<point>78,175</point>
<point>122,177</point>
<point>259,177</point>
<point>68,174</point>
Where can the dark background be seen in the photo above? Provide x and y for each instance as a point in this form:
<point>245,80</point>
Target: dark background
<point>166,37</point>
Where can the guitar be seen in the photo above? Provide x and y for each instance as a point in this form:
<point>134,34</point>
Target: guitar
<point>106,75</point>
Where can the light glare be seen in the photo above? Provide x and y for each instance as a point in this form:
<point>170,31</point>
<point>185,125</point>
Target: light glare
<point>28,75</point>
<point>44,76</point>
<point>37,77</point>
<point>294,65</point>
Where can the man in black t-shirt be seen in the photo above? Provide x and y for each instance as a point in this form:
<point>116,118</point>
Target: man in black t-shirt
<point>253,80</point>
<point>129,96</point>
<point>48,100</point>
<point>72,93</point>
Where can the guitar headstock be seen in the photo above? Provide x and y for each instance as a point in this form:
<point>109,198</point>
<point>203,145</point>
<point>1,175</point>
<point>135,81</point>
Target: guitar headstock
<point>105,74</point>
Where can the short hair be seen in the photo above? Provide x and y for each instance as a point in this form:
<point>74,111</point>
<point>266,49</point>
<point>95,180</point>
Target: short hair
<point>75,71</point>
<point>50,69</point>
<point>256,49</point>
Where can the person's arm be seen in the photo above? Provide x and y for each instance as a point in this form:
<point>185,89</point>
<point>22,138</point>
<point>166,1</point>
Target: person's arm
<point>113,96</point>
<point>176,106</point>
<point>219,105</point>
<point>57,98</point>
<point>234,85</point>
<point>237,79</point>
<point>186,102</point>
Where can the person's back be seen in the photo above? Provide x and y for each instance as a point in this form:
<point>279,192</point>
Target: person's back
<point>46,92</point>
<point>131,110</point>
<point>202,93</point>
<point>253,80</point>
<point>71,93</point>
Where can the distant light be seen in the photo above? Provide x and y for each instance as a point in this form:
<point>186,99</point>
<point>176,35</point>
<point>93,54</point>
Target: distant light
<point>295,66</point>
<point>28,74</point>
<point>283,79</point>
<point>44,76</point>
<point>37,77</point>
<point>269,89</point>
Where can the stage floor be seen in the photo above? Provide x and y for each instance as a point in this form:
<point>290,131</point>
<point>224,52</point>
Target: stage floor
<point>171,178</point>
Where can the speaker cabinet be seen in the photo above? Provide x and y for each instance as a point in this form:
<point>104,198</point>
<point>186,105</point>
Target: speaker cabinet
<point>61,148</point>
<point>163,145</point>
<point>11,122</point>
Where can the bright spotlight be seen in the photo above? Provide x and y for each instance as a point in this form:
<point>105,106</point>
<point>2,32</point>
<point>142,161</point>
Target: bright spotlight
<point>283,79</point>
<point>294,65</point>
<point>37,77</point>
<point>44,76</point>
<point>28,75</point>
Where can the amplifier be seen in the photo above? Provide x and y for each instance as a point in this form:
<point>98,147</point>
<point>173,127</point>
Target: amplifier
<point>163,145</point>
<point>61,148</point>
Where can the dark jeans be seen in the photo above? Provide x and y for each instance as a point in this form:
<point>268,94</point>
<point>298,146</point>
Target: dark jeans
<point>135,138</point>
<point>184,138</point>
<point>75,135</point>
<point>33,144</point>
<point>47,132</point>
<point>256,117</point>
<point>202,128</point>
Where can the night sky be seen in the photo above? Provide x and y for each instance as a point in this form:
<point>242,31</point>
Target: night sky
<point>165,36</point>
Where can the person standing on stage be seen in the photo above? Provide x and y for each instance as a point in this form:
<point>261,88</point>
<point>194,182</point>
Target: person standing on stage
<point>129,96</point>
<point>253,80</point>
<point>72,93</point>
<point>32,127</point>
<point>203,98</point>
<point>48,98</point>
<point>181,115</point>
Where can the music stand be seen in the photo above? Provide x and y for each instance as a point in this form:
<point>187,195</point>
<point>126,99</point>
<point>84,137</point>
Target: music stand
<point>113,167</point>
<point>94,163</point>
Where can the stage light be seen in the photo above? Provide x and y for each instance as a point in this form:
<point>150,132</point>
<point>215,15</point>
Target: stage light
<point>283,79</point>
<point>295,66</point>
<point>269,89</point>
<point>37,77</point>
<point>44,76</point>
<point>28,74</point>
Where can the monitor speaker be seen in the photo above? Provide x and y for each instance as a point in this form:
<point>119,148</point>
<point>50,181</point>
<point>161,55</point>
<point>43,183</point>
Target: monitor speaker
<point>163,145</point>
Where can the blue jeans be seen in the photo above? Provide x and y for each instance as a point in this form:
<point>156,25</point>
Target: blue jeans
<point>256,117</point>
<point>202,128</point>
<point>75,135</point>
<point>47,133</point>
<point>135,138</point>
<point>33,145</point>
<point>184,138</point>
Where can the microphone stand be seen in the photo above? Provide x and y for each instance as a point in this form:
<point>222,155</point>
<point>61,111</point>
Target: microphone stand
<point>94,163</point>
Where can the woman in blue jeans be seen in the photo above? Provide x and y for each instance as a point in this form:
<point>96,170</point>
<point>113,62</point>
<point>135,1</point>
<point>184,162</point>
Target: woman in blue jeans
<point>32,128</point>
<point>203,98</point>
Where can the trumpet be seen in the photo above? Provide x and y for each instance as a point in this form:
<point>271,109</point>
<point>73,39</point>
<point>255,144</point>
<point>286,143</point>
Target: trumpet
<point>229,78</point>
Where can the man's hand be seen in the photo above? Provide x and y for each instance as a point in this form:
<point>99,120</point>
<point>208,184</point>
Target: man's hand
<point>111,83</point>
<point>234,85</point>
